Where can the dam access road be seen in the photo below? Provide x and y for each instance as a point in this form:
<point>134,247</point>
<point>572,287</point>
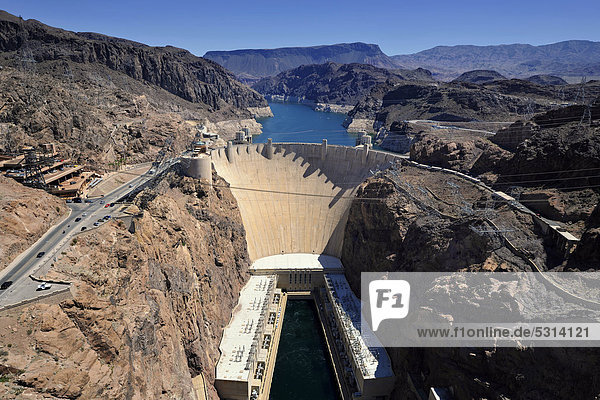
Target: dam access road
<point>28,264</point>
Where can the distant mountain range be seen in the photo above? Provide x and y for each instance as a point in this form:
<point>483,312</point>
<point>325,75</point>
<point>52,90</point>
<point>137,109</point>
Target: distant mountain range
<point>251,65</point>
<point>572,58</point>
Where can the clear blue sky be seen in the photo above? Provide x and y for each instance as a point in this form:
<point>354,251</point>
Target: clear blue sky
<point>398,26</point>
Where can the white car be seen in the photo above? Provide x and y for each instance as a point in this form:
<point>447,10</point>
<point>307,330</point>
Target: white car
<point>44,286</point>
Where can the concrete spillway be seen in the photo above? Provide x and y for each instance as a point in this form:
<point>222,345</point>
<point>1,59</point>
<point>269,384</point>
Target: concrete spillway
<point>294,198</point>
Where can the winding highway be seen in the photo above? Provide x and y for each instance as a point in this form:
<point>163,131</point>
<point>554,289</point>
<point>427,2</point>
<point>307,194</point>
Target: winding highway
<point>38,259</point>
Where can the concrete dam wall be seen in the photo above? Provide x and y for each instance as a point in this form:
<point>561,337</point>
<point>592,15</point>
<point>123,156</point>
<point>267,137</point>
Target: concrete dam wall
<point>295,197</point>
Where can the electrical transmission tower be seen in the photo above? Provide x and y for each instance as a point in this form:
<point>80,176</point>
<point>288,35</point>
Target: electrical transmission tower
<point>586,118</point>
<point>160,157</point>
<point>26,59</point>
<point>580,96</point>
<point>530,108</point>
<point>33,169</point>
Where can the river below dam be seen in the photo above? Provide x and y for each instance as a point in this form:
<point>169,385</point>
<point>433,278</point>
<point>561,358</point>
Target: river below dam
<point>303,369</point>
<point>293,122</point>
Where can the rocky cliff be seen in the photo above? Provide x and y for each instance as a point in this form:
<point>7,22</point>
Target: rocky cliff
<point>25,215</point>
<point>107,100</point>
<point>147,308</point>
<point>333,83</point>
<point>176,70</point>
<point>428,221</point>
<point>253,64</point>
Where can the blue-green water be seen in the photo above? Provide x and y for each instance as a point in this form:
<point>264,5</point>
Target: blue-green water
<point>299,123</point>
<point>303,369</point>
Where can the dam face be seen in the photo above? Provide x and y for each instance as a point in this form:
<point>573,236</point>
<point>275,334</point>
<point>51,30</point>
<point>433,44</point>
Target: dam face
<point>295,197</point>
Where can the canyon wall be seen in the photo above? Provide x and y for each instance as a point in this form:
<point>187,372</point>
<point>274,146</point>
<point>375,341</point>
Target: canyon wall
<point>424,222</point>
<point>147,309</point>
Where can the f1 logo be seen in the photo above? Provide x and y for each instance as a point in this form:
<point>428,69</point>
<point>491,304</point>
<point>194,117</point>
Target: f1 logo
<point>389,299</point>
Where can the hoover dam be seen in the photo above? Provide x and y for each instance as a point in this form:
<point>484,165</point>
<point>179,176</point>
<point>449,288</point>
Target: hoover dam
<point>294,200</point>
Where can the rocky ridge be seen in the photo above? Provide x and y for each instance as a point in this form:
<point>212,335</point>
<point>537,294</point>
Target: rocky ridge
<point>421,224</point>
<point>176,70</point>
<point>333,83</point>
<point>479,76</point>
<point>105,100</point>
<point>253,64</point>
<point>574,58</point>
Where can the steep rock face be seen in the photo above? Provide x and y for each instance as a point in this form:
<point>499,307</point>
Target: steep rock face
<point>176,70</point>
<point>410,229</point>
<point>148,308</point>
<point>587,253</point>
<point>566,156</point>
<point>93,121</point>
<point>422,223</point>
<point>25,215</point>
<point>475,155</point>
<point>253,64</point>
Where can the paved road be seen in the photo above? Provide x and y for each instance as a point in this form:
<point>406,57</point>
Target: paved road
<point>19,271</point>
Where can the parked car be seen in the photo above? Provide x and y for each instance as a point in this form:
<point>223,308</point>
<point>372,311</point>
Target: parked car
<point>107,205</point>
<point>77,219</point>
<point>69,201</point>
<point>96,224</point>
<point>130,185</point>
<point>5,285</point>
<point>44,286</point>
<point>83,228</point>
<point>40,254</point>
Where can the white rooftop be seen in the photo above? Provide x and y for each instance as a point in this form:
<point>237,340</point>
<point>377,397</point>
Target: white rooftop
<point>305,261</point>
<point>240,337</point>
<point>372,359</point>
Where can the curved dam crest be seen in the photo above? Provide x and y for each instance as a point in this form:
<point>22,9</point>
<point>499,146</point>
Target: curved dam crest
<point>295,197</point>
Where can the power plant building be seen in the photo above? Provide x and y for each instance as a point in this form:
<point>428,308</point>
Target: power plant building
<point>246,347</point>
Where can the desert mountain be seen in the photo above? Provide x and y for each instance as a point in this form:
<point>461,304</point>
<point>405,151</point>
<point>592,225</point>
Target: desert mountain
<point>253,64</point>
<point>574,58</point>
<point>334,83</point>
<point>569,58</point>
<point>546,80</point>
<point>479,76</point>
<point>104,99</point>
